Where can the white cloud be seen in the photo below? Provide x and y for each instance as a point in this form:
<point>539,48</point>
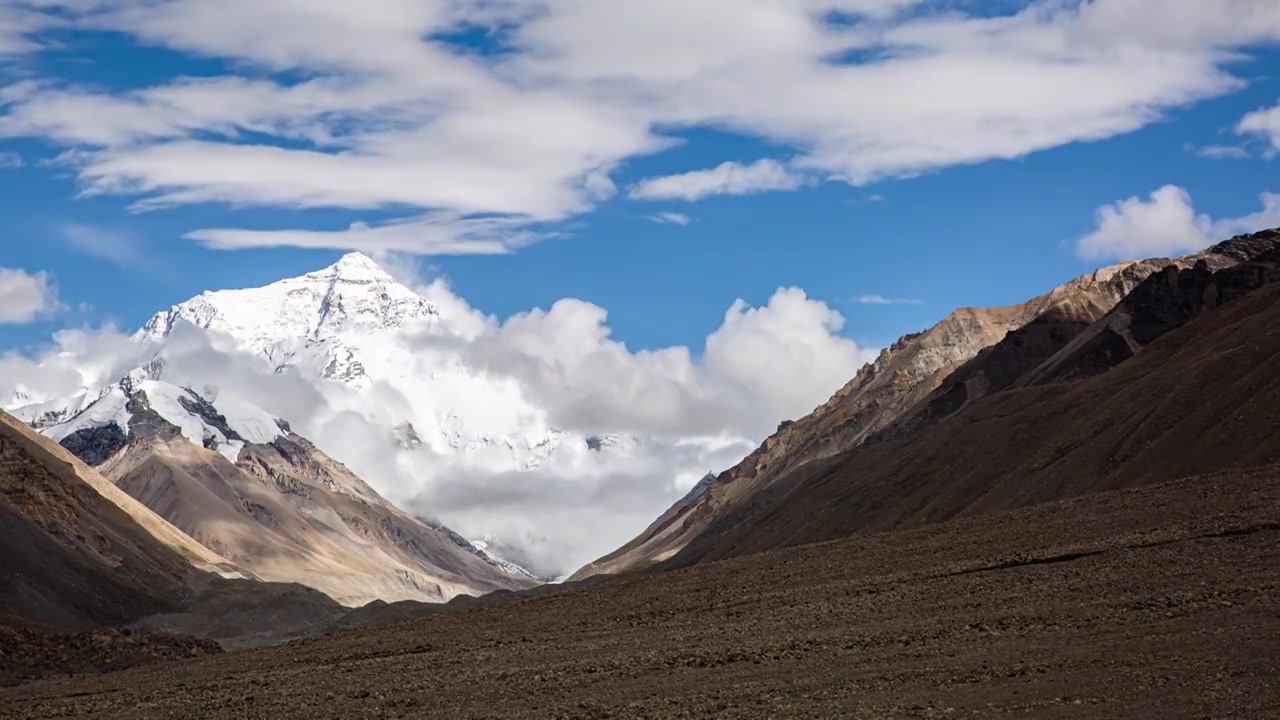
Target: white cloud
<point>1266,218</point>
<point>10,161</point>
<point>671,218</point>
<point>112,245</point>
<point>882,300</point>
<point>438,234</point>
<point>793,338</point>
<point>591,382</point>
<point>728,178</point>
<point>1264,124</point>
<point>694,410</point>
<point>24,297</point>
<point>19,22</point>
<point>1166,224</point>
<point>1222,152</point>
<point>392,116</point>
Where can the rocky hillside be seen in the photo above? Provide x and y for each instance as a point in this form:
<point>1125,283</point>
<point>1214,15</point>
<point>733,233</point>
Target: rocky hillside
<point>77,552</point>
<point>1175,297</point>
<point>1069,340</point>
<point>880,395</point>
<point>246,487</point>
<point>1177,379</point>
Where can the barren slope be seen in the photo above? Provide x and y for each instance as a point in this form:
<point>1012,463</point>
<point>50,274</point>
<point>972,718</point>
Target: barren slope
<point>288,513</point>
<point>77,552</point>
<point>1201,398</point>
<point>242,484</point>
<point>881,393</point>
<point>1153,603</point>
<point>1070,340</point>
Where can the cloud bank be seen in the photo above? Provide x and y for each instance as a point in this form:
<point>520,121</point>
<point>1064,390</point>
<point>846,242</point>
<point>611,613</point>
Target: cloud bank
<point>664,417</point>
<point>479,147</point>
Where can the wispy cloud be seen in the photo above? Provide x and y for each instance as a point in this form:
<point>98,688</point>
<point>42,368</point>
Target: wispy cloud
<point>728,178</point>
<point>115,246</point>
<point>435,234</point>
<point>671,218</point>
<point>10,161</point>
<point>119,247</point>
<point>882,300</point>
<point>1223,152</point>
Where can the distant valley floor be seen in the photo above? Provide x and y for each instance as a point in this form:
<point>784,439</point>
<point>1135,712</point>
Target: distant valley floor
<point>1160,602</point>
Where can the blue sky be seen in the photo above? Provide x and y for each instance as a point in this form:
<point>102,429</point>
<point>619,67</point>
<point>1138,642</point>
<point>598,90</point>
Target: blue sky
<point>959,168</point>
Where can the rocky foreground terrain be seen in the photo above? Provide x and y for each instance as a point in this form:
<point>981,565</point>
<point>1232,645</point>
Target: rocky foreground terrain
<point>1159,602</point>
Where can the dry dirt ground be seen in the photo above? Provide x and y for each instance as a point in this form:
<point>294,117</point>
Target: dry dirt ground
<point>1159,602</point>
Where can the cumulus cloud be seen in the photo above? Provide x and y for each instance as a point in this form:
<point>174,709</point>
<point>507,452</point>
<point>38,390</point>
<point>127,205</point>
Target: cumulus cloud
<point>692,411</point>
<point>728,178</point>
<point>391,112</point>
<point>1165,224</point>
<point>1263,124</point>
<point>762,365</point>
<point>25,297</point>
<point>666,416</point>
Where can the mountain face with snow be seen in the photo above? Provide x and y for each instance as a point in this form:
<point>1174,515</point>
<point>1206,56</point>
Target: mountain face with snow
<point>376,374</point>
<point>242,484</point>
<point>138,400</point>
<point>353,325</point>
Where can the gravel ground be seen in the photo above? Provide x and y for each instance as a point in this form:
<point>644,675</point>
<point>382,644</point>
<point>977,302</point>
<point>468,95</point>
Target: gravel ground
<point>1155,603</point>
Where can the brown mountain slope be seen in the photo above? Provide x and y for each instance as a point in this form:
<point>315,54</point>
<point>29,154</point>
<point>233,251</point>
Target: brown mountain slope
<point>1162,304</point>
<point>1154,603</point>
<point>91,580</point>
<point>1072,340</point>
<point>77,552</point>
<point>1201,398</point>
<point>286,512</point>
<point>879,396</point>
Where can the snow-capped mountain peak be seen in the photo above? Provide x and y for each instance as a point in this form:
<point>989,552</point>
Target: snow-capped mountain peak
<point>354,295</point>
<point>356,266</point>
<point>354,325</point>
<point>323,320</point>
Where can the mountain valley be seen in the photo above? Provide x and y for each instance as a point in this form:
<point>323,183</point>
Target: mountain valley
<point>955,533</point>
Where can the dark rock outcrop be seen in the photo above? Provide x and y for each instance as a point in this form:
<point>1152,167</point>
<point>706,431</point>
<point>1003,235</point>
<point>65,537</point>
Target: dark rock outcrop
<point>96,445</point>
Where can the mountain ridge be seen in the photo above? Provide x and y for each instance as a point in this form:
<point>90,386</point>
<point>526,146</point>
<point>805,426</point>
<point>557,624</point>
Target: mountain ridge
<point>890,389</point>
<point>245,486</point>
<point>1198,397</point>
